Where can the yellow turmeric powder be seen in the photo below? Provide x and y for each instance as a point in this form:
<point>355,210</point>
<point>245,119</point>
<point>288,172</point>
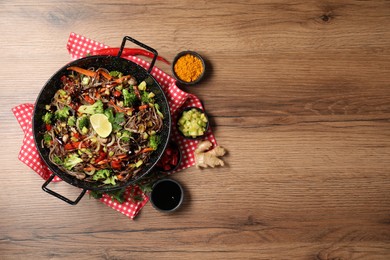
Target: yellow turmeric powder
<point>188,68</point>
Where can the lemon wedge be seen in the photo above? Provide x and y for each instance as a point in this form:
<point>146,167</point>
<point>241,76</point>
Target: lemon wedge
<point>101,125</point>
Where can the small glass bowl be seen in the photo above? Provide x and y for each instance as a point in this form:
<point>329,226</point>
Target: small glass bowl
<point>175,148</point>
<point>190,137</point>
<point>199,78</point>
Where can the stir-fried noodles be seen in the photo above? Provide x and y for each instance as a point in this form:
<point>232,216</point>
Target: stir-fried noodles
<point>101,126</point>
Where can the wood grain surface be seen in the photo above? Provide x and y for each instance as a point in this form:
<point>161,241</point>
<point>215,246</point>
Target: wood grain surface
<point>298,92</point>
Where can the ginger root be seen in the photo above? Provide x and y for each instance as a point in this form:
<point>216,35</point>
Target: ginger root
<point>204,157</point>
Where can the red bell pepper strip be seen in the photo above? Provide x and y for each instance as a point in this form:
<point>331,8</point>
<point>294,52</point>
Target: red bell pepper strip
<point>75,145</point>
<point>76,135</point>
<point>127,52</point>
<point>117,93</point>
<point>116,164</point>
<point>74,106</point>
<point>102,156</point>
<point>89,99</point>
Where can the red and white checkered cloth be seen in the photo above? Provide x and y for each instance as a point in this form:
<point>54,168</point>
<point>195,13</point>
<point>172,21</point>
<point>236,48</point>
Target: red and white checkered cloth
<point>78,47</point>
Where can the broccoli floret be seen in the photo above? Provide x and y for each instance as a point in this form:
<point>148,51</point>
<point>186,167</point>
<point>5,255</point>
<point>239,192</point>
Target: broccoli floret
<point>62,93</point>
<point>47,118</point>
<point>57,160</point>
<point>71,161</point>
<point>83,123</point>
<point>115,73</point>
<point>154,141</point>
<point>125,136</point>
<point>47,139</point>
<point>110,180</point>
<point>62,114</point>
<point>71,121</point>
<point>145,98</point>
<point>101,175</point>
<point>96,108</point>
<point>105,176</point>
<point>129,98</point>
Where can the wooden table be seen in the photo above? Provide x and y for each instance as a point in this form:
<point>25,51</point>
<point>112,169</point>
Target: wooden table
<point>298,92</point>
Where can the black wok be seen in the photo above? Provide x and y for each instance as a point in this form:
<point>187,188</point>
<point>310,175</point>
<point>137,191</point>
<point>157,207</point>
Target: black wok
<point>110,63</point>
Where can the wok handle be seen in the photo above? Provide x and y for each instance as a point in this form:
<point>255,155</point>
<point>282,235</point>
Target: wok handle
<point>128,38</point>
<point>55,194</point>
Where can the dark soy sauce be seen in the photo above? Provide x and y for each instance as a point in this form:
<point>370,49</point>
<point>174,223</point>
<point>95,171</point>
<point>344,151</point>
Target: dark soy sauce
<point>166,195</point>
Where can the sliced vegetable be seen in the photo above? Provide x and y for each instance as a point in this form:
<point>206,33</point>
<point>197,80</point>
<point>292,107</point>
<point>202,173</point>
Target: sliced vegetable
<point>75,145</point>
<point>102,156</point>
<point>89,99</point>
<point>143,107</point>
<point>147,149</point>
<point>139,163</point>
<point>104,74</point>
<point>116,107</point>
<point>116,164</point>
<point>117,93</point>
<point>142,86</point>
